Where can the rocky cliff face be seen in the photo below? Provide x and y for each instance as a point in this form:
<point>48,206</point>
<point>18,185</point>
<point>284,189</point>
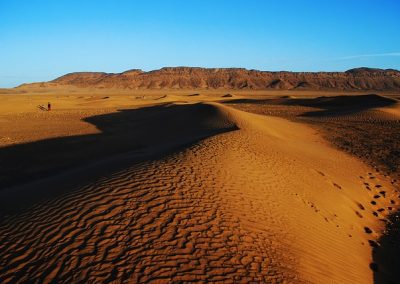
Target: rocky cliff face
<point>237,78</point>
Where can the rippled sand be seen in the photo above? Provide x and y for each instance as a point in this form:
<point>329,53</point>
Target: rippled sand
<point>181,189</point>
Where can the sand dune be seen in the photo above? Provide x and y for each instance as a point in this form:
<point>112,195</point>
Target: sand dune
<point>354,107</point>
<point>232,196</point>
<point>367,126</point>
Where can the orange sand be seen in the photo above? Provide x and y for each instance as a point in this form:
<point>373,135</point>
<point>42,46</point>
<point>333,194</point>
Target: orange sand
<point>230,196</point>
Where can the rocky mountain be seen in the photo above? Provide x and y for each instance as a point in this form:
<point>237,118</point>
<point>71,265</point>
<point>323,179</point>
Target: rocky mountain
<point>236,78</point>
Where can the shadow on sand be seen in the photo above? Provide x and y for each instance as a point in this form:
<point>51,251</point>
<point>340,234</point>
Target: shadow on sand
<point>385,255</point>
<point>43,169</point>
<point>343,105</point>
<point>327,106</point>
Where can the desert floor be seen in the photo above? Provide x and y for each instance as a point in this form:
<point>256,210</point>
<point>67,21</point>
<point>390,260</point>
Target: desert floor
<point>198,186</point>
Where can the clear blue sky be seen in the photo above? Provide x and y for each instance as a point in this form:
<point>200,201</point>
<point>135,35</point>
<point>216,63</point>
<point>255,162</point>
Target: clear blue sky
<point>40,40</point>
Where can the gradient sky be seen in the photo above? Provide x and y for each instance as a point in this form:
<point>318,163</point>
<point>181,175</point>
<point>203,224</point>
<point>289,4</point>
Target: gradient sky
<point>41,40</point>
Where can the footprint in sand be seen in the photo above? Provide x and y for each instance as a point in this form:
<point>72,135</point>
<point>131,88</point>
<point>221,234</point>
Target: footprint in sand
<point>359,214</point>
<point>333,183</point>
<point>360,206</point>
<point>337,186</point>
<point>366,184</point>
<point>367,230</point>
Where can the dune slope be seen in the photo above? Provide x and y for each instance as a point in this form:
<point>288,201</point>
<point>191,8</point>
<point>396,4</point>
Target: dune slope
<point>269,202</point>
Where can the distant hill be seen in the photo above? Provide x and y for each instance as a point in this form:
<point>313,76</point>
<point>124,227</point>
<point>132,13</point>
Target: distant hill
<point>236,78</point>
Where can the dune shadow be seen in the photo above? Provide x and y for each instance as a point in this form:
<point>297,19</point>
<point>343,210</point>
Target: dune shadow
<point>126,137</point>
<point>327,106</point>
<point>342,105</point>
<point>385,256</point>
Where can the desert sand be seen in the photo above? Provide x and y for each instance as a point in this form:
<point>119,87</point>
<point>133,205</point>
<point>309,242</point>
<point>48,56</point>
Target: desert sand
<point>175,186</point>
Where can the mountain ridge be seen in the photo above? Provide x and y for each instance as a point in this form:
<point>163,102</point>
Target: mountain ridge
<point>235,78</point>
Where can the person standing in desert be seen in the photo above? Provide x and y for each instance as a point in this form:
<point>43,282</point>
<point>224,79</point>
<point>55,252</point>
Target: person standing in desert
<point>48,106</point>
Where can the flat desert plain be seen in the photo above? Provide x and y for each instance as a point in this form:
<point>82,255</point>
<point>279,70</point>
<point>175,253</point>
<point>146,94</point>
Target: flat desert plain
<point>176,186</point>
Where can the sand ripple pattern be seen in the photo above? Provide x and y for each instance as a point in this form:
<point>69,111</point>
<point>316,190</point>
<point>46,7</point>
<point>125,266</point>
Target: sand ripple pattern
<point>168,220</point>
<point>268,203</point>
